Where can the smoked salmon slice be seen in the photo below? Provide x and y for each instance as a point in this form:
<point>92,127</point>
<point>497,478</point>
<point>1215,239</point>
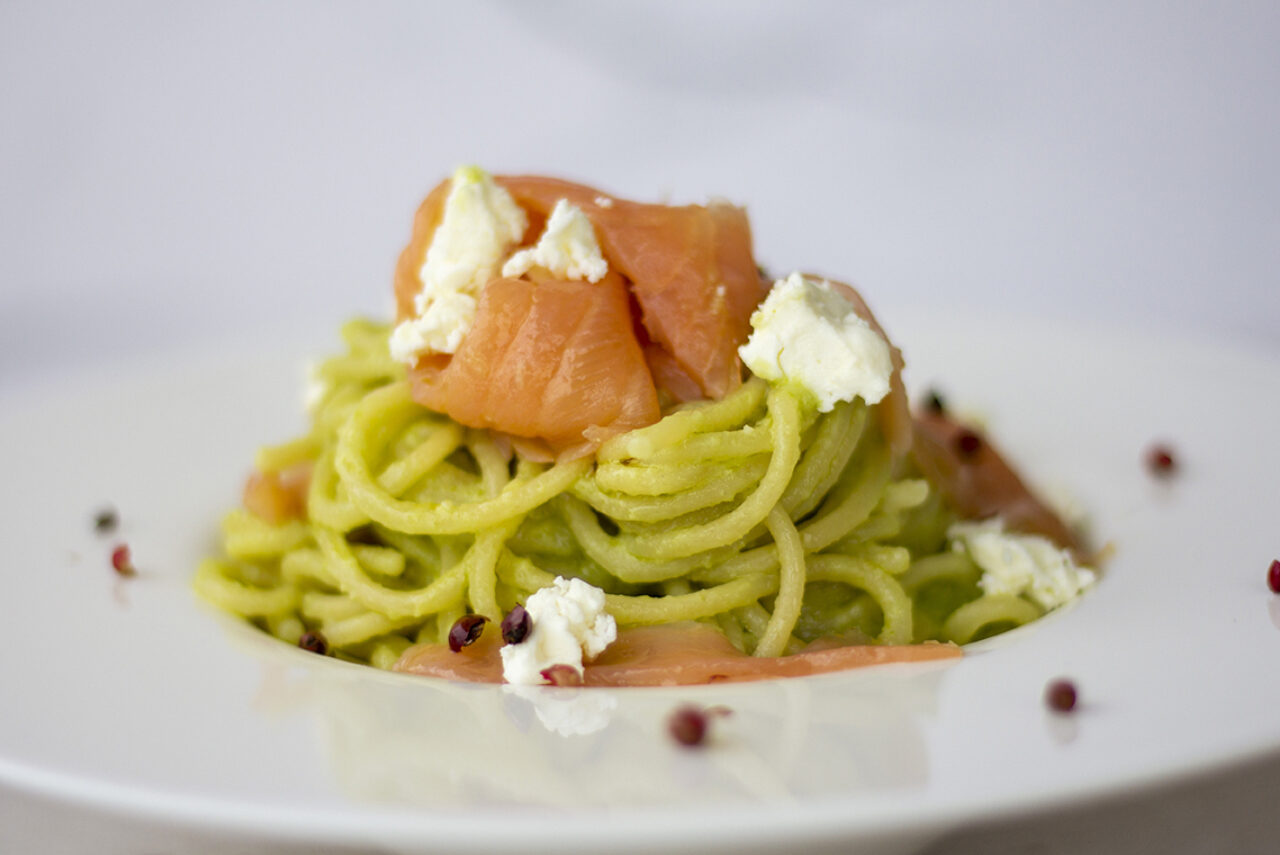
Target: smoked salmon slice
<point>693,654</point>
<point>555,360</point>
<point>687,654</point>
<point>277,497</point>
<point>977,481</point>
<point>688,283</point>
<point>691,269</point>
<point>479,662</point>
<point>430,213</point>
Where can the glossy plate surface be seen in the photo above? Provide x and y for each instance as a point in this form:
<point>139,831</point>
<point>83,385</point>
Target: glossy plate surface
<point>130,696</point>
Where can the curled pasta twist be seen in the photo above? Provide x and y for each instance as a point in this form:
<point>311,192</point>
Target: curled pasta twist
<point>755,513</point>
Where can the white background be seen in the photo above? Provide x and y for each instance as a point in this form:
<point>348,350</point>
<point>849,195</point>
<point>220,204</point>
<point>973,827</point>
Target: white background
<point>215,171</point>
<point>216,175</point>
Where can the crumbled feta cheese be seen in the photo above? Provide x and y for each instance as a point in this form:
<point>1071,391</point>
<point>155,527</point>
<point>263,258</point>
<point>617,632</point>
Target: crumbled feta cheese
<point>569,623</point>
<point>480,224</point>
<point>1021,564</point>
<point>806,333</point>
<point>603,202</point>
<point>439,327</point>
<point>567,248</point>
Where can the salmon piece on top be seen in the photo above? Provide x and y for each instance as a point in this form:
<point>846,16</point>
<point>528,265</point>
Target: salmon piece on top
<point>689,270</point>
<point>690,267</point>
<point>564,369</point>
<point>554,360</point>
<point>977,480</point>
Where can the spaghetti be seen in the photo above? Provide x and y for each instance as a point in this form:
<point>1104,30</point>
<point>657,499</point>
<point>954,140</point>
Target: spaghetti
<point>777,524</point>
<point>755,513</point>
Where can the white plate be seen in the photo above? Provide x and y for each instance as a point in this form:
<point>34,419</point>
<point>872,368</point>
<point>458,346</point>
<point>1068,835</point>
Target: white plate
<point>131,697</point>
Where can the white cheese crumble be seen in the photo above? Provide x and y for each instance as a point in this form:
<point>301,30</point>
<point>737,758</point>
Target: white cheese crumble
<point>1021,564</point>
<point>603,202</point>
<point>567,248</point>
<point>806,333</point>
<point>438,329</point>
<point>480,225</point>
<point>568,623</point>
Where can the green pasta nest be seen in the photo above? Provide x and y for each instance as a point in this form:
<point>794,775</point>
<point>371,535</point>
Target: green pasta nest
<point>756,514</point>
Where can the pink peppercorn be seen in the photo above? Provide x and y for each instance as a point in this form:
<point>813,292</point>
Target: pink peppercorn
<point>465,631</point>
<point>1060,696</point>
<point>121,561</point>
<point>1161,462</point>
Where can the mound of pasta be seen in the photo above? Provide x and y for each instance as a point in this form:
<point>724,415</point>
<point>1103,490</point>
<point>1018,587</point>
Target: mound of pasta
<point>582,389</point>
